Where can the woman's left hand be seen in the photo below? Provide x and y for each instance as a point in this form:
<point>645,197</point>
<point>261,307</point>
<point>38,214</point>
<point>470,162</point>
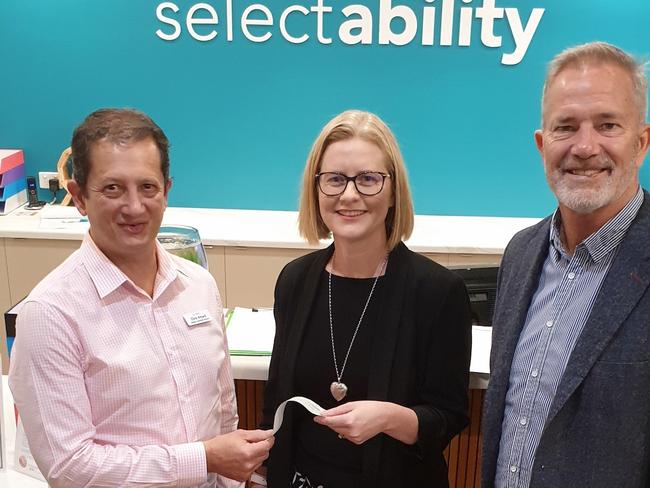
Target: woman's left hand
<point>356,421</point>
<point>360,421</point>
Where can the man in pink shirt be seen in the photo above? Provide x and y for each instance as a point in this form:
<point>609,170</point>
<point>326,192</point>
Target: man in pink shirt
<point>120,368</point>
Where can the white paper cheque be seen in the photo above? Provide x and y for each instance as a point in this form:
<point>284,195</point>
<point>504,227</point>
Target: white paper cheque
<point>310,405</point>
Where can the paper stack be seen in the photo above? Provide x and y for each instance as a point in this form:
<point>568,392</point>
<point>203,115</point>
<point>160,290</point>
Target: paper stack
<point>250,331</point>
<point>13,186</point>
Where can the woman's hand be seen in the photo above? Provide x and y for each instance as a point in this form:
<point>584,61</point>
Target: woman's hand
<point>362,420</point>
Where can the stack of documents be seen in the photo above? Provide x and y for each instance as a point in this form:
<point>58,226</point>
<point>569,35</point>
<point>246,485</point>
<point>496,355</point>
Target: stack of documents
<point>60,217</point>
<point>250,331</point>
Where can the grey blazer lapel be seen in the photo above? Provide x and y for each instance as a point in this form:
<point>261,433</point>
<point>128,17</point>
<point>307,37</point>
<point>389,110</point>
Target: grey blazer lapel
<point>625,283</point>
<point>515,292</point>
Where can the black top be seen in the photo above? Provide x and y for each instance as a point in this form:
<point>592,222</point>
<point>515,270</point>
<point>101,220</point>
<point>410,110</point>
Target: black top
<point>419,358</point>
<point>319,453</point>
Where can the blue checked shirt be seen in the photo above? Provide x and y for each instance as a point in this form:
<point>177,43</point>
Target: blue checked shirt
<point>557,314</point>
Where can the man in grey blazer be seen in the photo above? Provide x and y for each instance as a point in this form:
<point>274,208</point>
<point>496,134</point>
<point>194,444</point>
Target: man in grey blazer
<point>569,398</point>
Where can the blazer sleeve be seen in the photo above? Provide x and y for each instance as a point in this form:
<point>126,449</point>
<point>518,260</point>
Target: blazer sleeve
<point>444,351</point>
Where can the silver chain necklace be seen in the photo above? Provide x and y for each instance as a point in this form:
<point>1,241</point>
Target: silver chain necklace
<point>337,388</point>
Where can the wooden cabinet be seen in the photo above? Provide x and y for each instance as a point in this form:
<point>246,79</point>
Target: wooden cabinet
<point>251,273</point>
<point>469,260</point>
<point>23,263</point>
<point>245,275</point>
<point>455,260</point>
<point>30,260</point>
<point>217,265</point>
<point>439,258</point>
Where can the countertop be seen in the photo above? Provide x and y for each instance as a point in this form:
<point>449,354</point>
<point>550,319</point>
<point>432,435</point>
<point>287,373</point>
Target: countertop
<point>278,229</point>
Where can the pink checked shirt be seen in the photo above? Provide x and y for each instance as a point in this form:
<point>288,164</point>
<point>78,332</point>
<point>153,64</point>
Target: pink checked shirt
<point>113,386</point>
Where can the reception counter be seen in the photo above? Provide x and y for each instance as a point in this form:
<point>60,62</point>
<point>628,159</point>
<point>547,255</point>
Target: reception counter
<point>240,245</point>
<point>246,250</point>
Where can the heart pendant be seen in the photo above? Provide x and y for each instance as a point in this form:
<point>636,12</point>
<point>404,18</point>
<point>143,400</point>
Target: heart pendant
<point>339,390</point>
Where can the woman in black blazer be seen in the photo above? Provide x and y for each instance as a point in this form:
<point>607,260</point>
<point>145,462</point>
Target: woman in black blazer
<point>373,332</point>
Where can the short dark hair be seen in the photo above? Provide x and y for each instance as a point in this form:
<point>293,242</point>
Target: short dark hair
<point>119,126</point>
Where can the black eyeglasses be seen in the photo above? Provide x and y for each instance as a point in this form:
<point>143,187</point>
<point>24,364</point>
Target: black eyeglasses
<point>368,183</point>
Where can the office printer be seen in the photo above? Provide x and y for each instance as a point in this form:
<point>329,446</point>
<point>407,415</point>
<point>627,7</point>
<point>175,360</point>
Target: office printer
<point>481,283</point>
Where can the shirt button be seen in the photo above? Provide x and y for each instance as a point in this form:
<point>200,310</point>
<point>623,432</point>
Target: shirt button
<point>571,275</point>
<point>513,469</point>
<point>523,421</point>
<point>549,323</point>
<point>534,373</point>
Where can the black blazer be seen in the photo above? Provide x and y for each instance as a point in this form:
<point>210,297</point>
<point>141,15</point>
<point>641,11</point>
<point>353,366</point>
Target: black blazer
<point>420,360</point>
<point>597,433</point>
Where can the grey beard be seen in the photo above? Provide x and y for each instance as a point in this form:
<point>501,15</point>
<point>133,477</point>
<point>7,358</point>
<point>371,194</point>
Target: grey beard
<point>587,200</point>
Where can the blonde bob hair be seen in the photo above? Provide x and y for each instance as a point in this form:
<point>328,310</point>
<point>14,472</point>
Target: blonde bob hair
<point>369,127</point>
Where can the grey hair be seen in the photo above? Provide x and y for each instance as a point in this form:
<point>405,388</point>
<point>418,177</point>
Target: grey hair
<point>603,53</point>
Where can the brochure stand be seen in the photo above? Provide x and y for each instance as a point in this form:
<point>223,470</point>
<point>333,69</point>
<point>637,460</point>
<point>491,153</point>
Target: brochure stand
<point>24,461</point>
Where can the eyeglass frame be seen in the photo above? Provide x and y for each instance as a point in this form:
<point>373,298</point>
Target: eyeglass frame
<point>352,179</point>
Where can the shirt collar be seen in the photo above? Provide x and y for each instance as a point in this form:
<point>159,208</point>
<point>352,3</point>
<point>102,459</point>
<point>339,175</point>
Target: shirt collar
<point>107,277</point>
<point>604,240</point>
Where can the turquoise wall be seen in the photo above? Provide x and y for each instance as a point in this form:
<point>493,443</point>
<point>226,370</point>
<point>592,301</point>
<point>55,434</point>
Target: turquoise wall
<point>241,116</point>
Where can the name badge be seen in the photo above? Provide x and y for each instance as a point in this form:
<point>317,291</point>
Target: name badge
<point>196,318</point>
